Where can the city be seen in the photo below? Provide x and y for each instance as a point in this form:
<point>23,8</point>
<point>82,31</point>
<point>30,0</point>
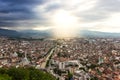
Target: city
<point>59,39</point>
<point>77,59</point>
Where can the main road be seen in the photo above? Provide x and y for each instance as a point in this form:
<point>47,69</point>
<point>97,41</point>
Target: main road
<point>43,64</point>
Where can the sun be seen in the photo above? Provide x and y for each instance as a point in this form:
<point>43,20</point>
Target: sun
<point>65,24</point>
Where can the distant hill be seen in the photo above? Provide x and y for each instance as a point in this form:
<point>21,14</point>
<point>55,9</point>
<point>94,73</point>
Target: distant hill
<point>9,33</point>
<point>35,34</point>
<point>25,33</point>
<point>87,33</point>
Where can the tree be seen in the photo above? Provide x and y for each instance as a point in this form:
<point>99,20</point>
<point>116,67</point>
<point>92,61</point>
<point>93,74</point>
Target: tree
<point>39,75</point>
<point>70,75</point>
<point>3,71</point>
<point>18,73</point>
<point>5,77</point>
<point>24,74</point>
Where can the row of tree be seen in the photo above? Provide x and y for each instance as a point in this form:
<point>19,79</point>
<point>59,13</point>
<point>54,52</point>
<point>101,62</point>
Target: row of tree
<point>24,74</point>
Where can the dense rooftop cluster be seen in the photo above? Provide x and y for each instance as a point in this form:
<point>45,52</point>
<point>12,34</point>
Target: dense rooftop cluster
<point>97,59</point>
<point>23,52</point>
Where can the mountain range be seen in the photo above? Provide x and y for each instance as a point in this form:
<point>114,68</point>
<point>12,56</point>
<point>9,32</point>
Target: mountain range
<point>48,34</point>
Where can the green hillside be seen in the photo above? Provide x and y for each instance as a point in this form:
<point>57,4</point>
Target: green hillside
<point>24,74</point>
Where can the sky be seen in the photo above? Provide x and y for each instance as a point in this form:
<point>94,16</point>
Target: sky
<point>62,16</point>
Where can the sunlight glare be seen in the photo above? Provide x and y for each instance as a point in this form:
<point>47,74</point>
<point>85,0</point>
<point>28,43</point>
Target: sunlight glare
<point>65,24</point>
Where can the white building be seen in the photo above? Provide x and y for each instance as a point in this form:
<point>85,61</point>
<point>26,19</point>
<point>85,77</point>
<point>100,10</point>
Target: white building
<point>25,61</point>
<point>61,65</point>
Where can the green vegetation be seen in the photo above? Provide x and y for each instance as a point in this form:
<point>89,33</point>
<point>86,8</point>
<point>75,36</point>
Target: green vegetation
<point>24,74</point>
<point>48,61</point>
<point>47,64</point>
<point>57,71</point>
<point>82,68</point>
<point>19,54</point>
<point>92,66</point>
<point>94,78</point>
<point>70,76</point>
<point>5,77</point>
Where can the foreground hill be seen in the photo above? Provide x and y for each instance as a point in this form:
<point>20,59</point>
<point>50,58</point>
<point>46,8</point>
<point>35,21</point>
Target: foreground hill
<point>24,74</point>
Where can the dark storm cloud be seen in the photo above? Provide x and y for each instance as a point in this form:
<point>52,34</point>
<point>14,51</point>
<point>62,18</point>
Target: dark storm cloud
<point>53,7</point>
<point>16,16</point>
<point>5,24</point>
<point>23,1</point>
<point>12,11</point>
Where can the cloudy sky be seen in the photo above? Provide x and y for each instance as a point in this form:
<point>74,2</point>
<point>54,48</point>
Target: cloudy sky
<point>61,15</point>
